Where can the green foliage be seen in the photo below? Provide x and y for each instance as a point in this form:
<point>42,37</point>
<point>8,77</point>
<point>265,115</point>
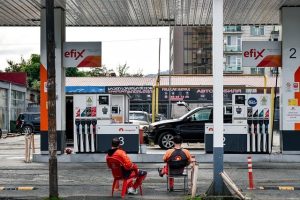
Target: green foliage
<point>139,73</point>
<point>98,71</point>
<point>123,71</point>
<point>74,72</point>
<point>31,67</point>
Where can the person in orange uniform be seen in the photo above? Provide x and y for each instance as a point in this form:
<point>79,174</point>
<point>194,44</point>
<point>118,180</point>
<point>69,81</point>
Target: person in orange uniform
<point>176,158</point>
<point>129,168</point>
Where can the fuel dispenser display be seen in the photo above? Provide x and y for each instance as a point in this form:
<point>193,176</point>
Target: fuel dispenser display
<point>257,116</point>
<point>249,131</point>
<point>91,112</point>
<point>85,120</point>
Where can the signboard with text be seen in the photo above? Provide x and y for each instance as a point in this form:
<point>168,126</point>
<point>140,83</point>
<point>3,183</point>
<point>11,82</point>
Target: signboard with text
<point>82,54</point>
<point>290,85</point>
<point>262,54</point>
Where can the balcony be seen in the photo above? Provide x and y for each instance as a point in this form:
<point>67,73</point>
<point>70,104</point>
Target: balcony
<point>233,69</point>
<point>232,49</point>
<point>232,29</point>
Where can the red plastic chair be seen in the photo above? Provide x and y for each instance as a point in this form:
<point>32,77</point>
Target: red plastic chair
<point>116,168</point>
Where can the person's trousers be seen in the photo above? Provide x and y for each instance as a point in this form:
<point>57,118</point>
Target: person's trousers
<point>140,176</point>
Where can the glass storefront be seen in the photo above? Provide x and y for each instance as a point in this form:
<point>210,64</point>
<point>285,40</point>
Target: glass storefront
<point>3,109</point>
<point>17,104</point>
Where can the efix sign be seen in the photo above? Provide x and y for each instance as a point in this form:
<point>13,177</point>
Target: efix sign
<point>82,54</point>
<point>261,54</point>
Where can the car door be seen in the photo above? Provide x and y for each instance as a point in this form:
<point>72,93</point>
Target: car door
<point>36,122</point>
<point>194,125</point>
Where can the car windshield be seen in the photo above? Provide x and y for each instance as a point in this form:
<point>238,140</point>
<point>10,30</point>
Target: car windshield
<point>189,113</point>
<point>138,116</point>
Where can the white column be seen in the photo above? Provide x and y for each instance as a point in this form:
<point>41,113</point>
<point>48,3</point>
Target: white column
<point>59,23</point>
<point>290,84</point>
<point>217,48</point>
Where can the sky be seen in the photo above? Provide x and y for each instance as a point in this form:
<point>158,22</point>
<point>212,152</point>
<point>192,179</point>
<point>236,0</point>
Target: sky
<point>138,47</point>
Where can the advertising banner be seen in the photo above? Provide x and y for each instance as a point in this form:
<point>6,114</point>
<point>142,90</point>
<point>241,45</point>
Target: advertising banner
<point>203,95</point>
<point>136,93</point>
<point>290,90</point>
<point>85,106</point>
<point>262,54</point>
<point>82,54</point>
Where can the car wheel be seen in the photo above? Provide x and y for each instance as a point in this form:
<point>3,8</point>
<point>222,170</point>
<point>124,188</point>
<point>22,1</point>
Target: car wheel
<point>27,129</point>
<point>165,140</point>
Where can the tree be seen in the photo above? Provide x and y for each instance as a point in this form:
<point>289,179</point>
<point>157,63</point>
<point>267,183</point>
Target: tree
<point>138,73</point>
<point>98,71</point>
<point>31,67</point>
<point>74,72</point>
<point>123,70</point>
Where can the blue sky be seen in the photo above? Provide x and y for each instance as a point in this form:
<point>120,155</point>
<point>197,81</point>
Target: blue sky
<point>136,46</point>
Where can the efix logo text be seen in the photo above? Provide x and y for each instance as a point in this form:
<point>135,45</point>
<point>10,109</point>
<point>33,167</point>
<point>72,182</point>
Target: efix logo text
<point>253,53</point>
<point>73,53</point>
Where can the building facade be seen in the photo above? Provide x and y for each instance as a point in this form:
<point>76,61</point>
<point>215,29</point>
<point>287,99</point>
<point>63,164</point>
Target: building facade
<point>12,98</point>
<point>191,48</point>
<point>12,102</point>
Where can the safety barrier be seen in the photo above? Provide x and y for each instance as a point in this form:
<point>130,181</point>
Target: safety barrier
<point>250,174</point>
<point>18,188</point>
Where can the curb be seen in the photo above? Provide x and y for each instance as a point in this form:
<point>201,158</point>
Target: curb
<point>18,188</point>
<point>278,188</point>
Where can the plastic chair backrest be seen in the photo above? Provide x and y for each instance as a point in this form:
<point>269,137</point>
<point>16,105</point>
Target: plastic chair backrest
<point>116,167</point>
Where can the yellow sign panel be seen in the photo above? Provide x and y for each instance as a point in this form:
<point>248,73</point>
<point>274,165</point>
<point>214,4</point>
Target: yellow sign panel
<point>89,101</point>
<point>293,102</point>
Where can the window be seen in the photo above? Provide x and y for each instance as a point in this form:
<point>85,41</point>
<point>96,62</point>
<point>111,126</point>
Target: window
<point>257,30</point>
<point>139,116</point>
<point>228,40</point>
<point>257,70</point>
<point>36,117</point>
<point>201,115</point>
<point>17,104</point>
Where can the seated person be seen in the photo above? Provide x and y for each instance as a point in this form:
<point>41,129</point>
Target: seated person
<point>177,159</point>
<point>129,168</point>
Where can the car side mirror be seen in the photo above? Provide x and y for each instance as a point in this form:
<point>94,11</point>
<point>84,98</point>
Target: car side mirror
<point>188,119</point>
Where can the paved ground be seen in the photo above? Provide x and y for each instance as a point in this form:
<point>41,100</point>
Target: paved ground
<point>93,180</point>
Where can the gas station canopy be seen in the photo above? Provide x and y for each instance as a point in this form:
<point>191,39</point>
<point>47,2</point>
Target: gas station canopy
<point>144,12</point>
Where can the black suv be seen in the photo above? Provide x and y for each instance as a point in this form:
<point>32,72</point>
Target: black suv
<point>190,127</point>
<point>28,122</point>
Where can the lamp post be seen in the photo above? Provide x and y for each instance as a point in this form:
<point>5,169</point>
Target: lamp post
<point>169,21</point>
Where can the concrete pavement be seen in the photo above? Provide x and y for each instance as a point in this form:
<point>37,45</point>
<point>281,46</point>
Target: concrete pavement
<point>93,180</point>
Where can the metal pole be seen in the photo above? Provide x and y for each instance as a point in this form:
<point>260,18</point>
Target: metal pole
<point>169,104</point>
<point>274,108</point>
<point>218,95</point>
<point>53,178</point>
<point>158,81</point>
<point>9,106</point>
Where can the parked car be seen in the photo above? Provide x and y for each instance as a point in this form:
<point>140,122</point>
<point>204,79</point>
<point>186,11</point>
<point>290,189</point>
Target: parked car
<point>190,127</point>
<point>28,122</point>
<point>141,118</point>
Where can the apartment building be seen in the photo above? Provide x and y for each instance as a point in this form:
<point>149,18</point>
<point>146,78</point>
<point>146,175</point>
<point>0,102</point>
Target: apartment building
<point>191,48</point>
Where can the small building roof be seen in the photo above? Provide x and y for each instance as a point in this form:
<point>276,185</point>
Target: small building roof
<point>176,81</point>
